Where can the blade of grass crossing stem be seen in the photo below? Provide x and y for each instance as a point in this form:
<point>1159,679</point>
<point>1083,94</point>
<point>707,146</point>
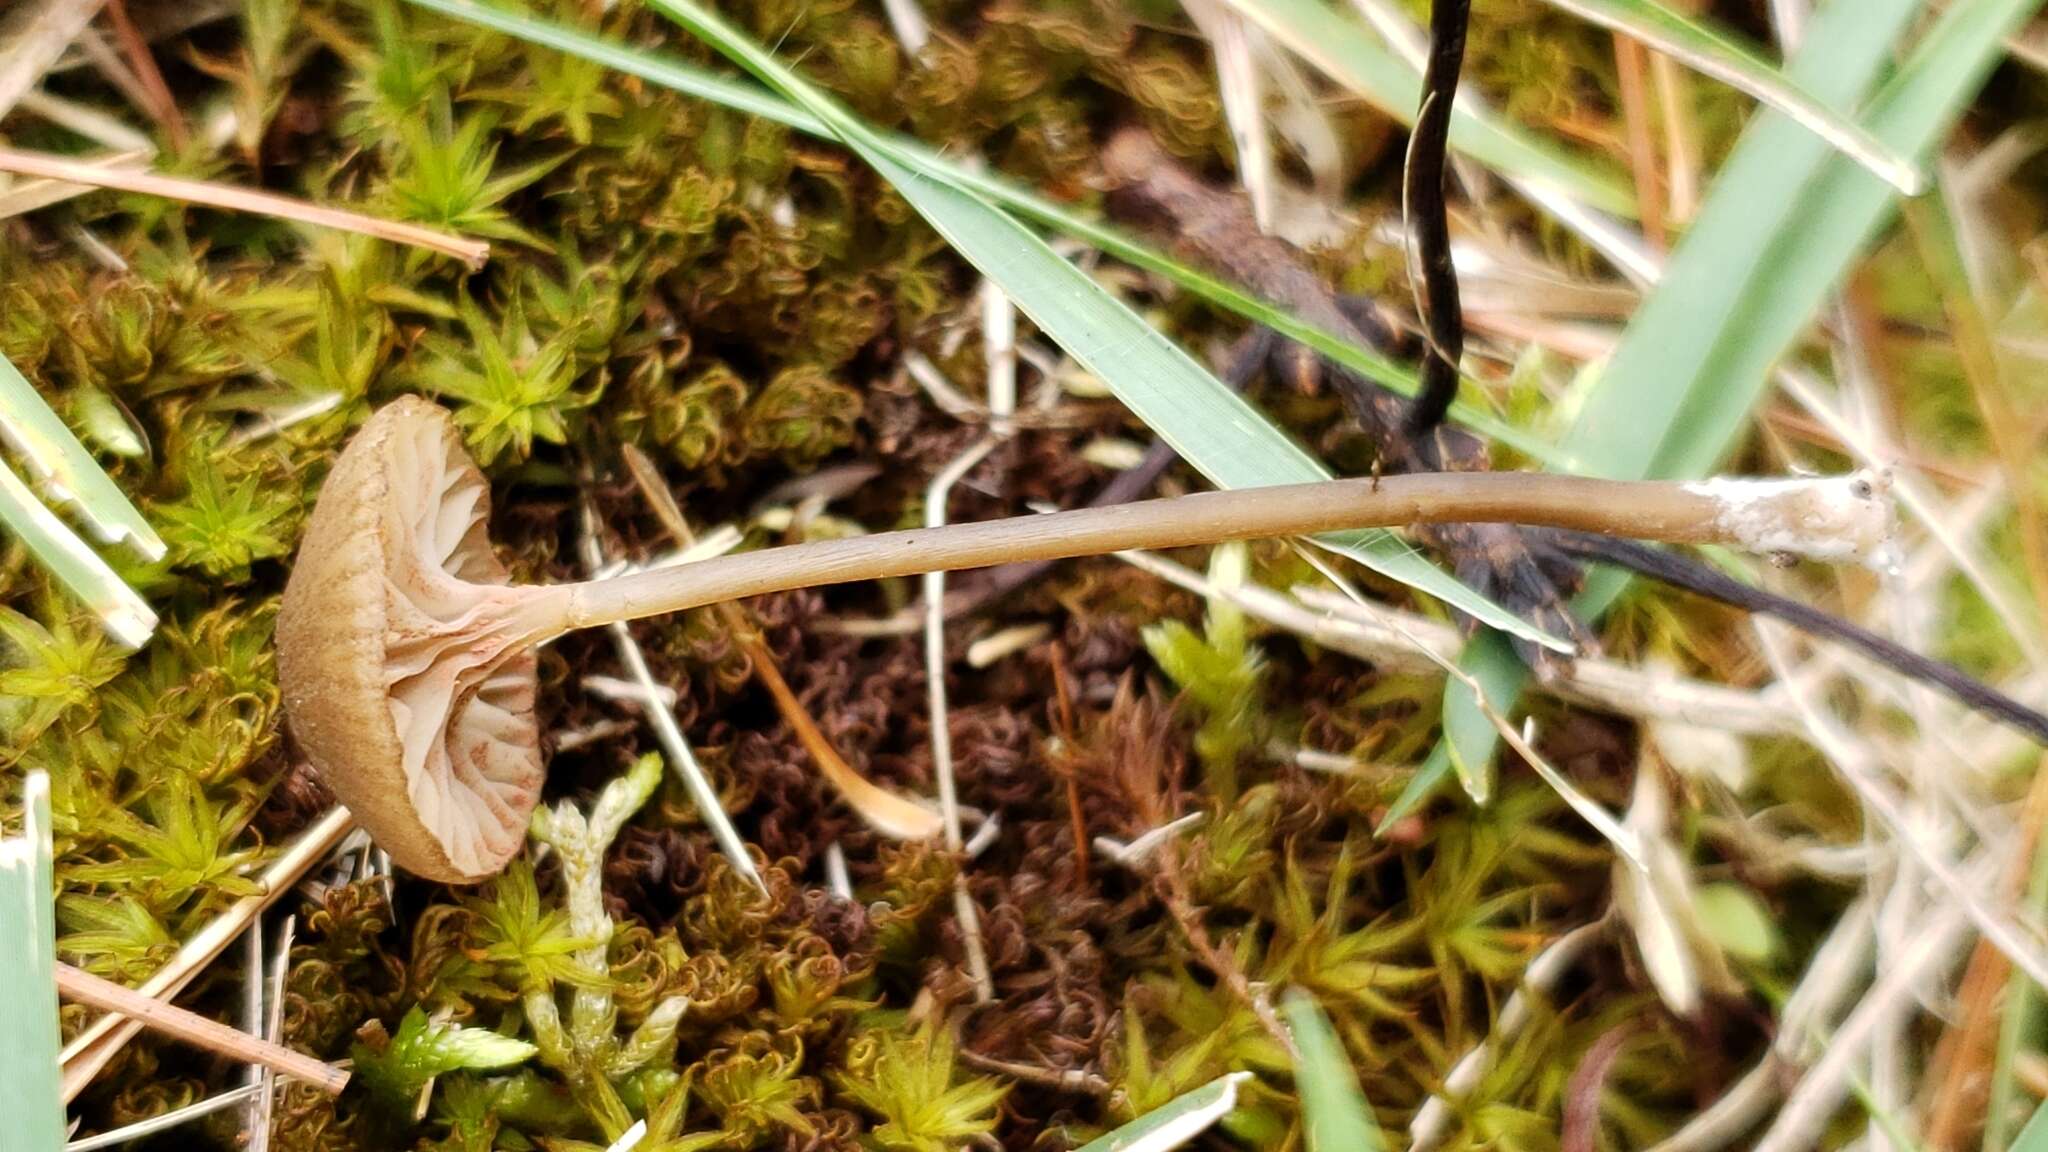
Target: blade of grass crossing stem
<point>1333,1109</point>
<point>740,96</point>
<point>123,613</point>
<point>1350,54</point>
<point>28,982</point>
<point>1696,356</point>
<point>1211,427</point>
<point>1711,52</point>
<point>56,458</point>
<point>1172,1125</point>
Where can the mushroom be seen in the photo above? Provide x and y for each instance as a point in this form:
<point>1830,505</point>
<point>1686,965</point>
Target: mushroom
<point>407,661</point>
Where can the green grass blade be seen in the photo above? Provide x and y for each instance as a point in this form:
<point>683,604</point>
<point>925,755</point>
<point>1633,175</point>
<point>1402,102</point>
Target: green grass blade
<point>1172,1125</point>
<point>1334,1111</point>
<point>1696,356</point>
<point>1210,426</point>
<point>1349,53</point>
<point>1836,217</point>
<point>1712,52</point>
<point>2034,1137</point>
<point>66,470</point>
<point>1674,341</point>
<point>76,566</point>
<point>742,96</point>
<point>28,1002</point>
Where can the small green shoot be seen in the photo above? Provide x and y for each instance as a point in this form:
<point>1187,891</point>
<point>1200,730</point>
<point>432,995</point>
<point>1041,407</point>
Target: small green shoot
<point>449,180</point>
<point>399,1073</point>
<point>1219,670</point>
<point>909,1081</point>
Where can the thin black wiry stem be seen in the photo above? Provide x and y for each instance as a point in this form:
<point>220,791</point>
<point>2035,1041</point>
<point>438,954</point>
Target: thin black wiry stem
<point>1422,194</point>
<point>1682,572</point>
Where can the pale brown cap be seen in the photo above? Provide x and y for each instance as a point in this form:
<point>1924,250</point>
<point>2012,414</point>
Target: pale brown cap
<point>433,747</point>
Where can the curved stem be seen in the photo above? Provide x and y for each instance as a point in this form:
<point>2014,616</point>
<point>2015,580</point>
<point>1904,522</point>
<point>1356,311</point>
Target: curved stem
<point>1831,518</point>
<point>1428,217</point>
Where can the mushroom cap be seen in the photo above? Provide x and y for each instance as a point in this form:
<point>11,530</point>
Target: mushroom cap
<point>426,734</point>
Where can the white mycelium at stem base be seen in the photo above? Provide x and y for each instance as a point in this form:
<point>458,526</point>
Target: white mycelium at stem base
<point>407,664</point>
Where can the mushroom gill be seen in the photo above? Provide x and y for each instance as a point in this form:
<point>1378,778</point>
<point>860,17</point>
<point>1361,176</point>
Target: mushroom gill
<point>408,683</point>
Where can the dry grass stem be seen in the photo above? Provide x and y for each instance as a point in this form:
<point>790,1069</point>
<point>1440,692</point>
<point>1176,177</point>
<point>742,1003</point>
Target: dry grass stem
<point>1243,94</point>
<point>1433,1120</point>
<point>1858,766</point>
<point>1832,979</point>
<point>161,105</point>
<point>95,125</point>
<point>273,1031</point>
<point>941,733</point>
<point>999,351</point>
<point>471,252</point>
<point>1682,161</point>
<point>164,1123</point>
<point>912,30</point>
<point>1407,644</point>
<point>1935,947</point>
<point>674,745</point>
<point>1962,1061</point>
<point>34,38</point>
<point>1631,60</point>
<point>86,988</point>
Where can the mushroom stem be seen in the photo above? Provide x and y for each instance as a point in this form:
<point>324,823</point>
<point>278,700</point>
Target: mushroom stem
<point>405,657</point>
<point>1833,518</point>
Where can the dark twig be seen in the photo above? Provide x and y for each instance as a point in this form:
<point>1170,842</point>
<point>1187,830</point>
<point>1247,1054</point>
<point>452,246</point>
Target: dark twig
<point>1683,572</point>
<point>1422,196</point>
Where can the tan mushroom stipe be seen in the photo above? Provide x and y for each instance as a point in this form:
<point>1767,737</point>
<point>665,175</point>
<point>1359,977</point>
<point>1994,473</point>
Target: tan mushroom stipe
<point>407,663</point>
